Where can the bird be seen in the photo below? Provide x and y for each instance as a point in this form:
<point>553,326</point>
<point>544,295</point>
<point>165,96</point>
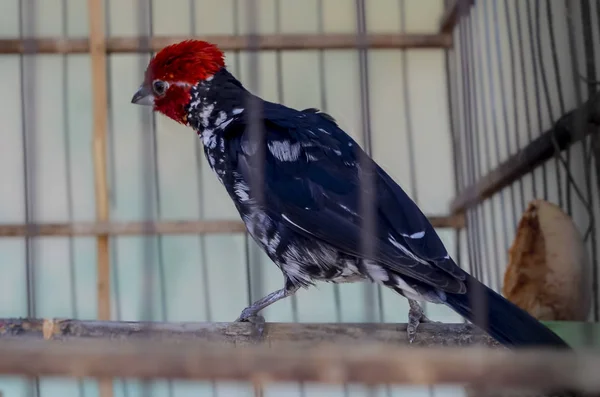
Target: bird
<point>297,180</point>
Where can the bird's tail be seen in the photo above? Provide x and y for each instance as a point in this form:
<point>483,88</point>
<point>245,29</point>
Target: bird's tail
<point>503,320</point>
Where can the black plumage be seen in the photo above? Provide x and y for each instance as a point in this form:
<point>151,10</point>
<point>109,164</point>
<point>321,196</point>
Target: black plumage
<point>307,215</point>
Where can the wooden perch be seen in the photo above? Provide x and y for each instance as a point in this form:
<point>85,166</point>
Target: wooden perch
<point>541,149</point>
<point>236,334</point>
<point>235,43</point>
<point>162,227</point>
<point>335,364</point>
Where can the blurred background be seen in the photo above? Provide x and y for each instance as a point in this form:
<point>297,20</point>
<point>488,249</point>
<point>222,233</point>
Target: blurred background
<point>441,108</point>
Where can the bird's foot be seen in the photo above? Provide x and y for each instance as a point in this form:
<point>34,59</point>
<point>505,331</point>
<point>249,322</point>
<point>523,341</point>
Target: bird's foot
<point>415,317</point>
<point>250,315</point>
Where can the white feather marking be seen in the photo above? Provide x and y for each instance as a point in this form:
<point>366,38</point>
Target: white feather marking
<point>222,117</point>
<point>209,78</point>
<point>209,139</point>
<point>237,111</point>
<point>376,272</point>
<point>284,150</point>
<point>405,250</point>
<point>292,223</point>
<point>347,209</point>
<point>400,283</point>
<point>324,131</point>
<point>205,113</point>
<point>224,125</point>
<point>415,236</point>
<point>241,190</point>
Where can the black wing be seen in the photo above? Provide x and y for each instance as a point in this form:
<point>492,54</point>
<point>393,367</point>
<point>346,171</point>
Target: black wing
<point>311,177</point>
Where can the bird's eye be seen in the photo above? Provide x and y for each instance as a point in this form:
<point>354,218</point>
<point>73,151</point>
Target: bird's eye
<point>159,87</point>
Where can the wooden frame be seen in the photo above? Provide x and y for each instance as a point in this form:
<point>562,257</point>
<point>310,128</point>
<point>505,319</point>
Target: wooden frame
<point>366,363</point>
<point>233,43</point>
<point>242,334</point>
<point>82,229</point>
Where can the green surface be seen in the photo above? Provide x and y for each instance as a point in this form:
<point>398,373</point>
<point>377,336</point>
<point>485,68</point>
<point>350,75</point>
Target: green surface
<point>576,334</point>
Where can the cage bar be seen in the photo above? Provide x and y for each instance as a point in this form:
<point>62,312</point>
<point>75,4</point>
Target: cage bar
<point>559,138</point>
<point>328,41</point>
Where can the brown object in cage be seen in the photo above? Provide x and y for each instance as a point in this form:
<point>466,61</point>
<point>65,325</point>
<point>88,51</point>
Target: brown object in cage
<point>548,273</point>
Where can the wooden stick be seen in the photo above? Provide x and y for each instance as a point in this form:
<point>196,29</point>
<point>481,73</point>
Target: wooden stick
<point>366,363</point>
<point>97,46</point>
<point>163,227</point>
<point>236,334</point>
<point>98,60</point>
<point>237,43</point>
<point>541,149</point>
<point>126,228</point>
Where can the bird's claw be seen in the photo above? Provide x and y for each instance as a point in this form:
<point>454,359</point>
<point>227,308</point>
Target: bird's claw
<point>415,317</point>
<point>254,318</point>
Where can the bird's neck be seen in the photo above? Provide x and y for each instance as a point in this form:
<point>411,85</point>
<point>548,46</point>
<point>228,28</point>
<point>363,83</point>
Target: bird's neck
<point>215,103</point>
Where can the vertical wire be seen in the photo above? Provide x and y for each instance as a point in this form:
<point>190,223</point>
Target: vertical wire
<point>199,166</point>
<point>475,165</point>
<point>503,104</point>
<point>337,296</point>
<point>464,116</point>
<point>410,142</point>
<point>536,92</point>
<point>367,208</point>
<point>68,173</point>
<point>281,99</point>
<point>367,170</point>
<point>588,42</point>
<point>255,130</point>
<point>463,67</point>
<point>525,90</point>
<point>410,139</point>
<point>496,133</point>
<point>323,99</point>
<point>561,101</point>
<point>112,186</point>
<point>27,31</point>
<point>479,308</point>
<point>148,154</point>
<point>453,100</point>
<point>154,210</point>
<point>480,210</point>
<point>486,143</point>
<point>546,93</point>
<point>513,73</point>
<point>504,111</point>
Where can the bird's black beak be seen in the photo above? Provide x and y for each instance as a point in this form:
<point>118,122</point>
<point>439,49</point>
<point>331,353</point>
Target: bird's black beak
<point>143,96</point>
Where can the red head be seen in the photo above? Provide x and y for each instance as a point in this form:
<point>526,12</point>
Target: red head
<point>173,72</point>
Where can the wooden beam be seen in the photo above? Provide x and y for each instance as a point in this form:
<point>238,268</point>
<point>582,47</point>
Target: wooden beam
<point>237,334</point>
<point>541,149</point>
<point>365,363</point>
<point>97,46</point>
<point>125,228</point>
<point>235,43</point>
<point>81,229</point>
